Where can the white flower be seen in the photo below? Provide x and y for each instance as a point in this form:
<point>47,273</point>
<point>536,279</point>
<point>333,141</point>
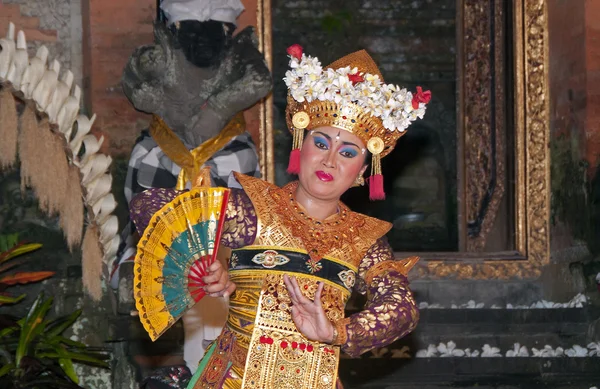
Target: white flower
<point>576,351</point>
<point>471,354</point>
<point>307,81</point>
<point>594,349</point>
<point>517,351</point>
<point>488,351</point>
<point>547,352</point>
<point>449,350</point>
<point>429,353</point>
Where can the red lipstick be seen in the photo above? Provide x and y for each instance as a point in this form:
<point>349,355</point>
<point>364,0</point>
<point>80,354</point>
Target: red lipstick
<point>325,177</point>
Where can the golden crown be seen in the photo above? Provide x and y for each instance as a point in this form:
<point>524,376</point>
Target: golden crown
<point>349,94</point>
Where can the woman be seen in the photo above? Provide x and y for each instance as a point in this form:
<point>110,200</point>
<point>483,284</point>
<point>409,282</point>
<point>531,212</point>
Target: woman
<point>298,252</point>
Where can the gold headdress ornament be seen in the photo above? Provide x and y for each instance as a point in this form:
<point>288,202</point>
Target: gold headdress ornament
<point>349,94</point>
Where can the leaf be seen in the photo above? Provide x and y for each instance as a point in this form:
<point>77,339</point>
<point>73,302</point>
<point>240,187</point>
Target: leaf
<point>94,359</point>
<point>18,250</point>
<point>7,266</point>
<point>4,370</point>
<point>26,277</point>
<point>59,325</point>
<point>66,341</point>
<point>4,299</point>
<point>8,241</point>
<point>33,325</point>
<point>66,363</point>
<point>7,331</point>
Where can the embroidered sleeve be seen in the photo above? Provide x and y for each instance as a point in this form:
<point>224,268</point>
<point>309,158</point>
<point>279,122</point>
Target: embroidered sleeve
<point>239,227</point>
<point>390,312</point>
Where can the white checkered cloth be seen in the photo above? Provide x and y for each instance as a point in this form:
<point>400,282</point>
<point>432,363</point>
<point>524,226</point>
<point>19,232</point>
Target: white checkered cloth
<point>149,167</point>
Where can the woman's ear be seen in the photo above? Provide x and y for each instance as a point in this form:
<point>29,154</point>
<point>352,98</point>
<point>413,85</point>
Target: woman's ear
<point>362,171</point>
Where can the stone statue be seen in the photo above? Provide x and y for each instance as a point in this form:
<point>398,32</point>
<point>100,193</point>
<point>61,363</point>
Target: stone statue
<point>197,78</point>
<point>194,93</point>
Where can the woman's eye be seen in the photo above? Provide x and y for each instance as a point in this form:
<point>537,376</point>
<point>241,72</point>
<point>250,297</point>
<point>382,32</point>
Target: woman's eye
<point>348,153</point>
<point>319,143</point>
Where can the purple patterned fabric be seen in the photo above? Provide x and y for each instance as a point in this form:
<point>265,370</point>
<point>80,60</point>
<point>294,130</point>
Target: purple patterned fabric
<point>147,203</point>
<point>239,228</point>
<point>390,313</point>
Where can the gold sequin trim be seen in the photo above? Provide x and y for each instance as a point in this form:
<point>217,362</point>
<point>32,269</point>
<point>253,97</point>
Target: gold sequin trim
<point>402,266</point>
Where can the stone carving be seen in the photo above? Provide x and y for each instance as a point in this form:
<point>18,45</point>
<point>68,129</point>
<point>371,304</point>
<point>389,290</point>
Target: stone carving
<point>196,102</point>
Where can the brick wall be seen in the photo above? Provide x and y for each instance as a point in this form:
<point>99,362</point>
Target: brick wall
<point>112,30</point>
<point>574,76</point>
<point>574,38</point>
<point>567,70</point>
<point>592,61</point>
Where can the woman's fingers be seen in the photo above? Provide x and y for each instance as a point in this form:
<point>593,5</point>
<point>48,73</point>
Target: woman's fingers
<point>290,288</point>
<point>295,292</point>
<point>229,289</point>
<point>318,293</point>
<point>215,273</point>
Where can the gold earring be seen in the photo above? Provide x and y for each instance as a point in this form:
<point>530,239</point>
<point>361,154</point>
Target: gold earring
<point>360,181</point>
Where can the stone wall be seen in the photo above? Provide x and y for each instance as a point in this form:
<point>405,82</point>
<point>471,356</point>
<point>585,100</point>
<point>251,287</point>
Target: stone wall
<point>54,23</point>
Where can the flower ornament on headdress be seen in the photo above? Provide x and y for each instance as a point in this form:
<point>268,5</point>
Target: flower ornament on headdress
<point>349,94</point>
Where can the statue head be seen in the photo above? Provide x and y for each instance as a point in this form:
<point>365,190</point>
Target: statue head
<point>197,75</point>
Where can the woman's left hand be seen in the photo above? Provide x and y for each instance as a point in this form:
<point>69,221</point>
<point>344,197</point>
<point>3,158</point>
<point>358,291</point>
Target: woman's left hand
<point>309,316</point>
<point>217,281</point>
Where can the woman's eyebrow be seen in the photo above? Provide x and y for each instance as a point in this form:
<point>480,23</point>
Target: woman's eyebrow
<point>345,143</point>
<point>325,135</point>
<point>351,144</point>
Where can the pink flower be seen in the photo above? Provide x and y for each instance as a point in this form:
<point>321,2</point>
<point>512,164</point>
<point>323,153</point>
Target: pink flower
<point>355,78</point>
<point>420,97</point>
<point>295,51</point>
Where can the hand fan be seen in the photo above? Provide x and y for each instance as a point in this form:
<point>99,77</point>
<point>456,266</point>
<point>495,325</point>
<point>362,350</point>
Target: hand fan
<point>174,253</point>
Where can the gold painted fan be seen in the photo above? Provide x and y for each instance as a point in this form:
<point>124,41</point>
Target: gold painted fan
<point>179,244</point>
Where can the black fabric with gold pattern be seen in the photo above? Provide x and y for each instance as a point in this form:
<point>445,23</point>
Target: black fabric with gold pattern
<point>293,261</point>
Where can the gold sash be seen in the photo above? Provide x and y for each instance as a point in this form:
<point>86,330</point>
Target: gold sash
<point>191,161</point>
<point>279,357</point>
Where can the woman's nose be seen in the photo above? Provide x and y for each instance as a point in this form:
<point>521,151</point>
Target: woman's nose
<point>329,159</point>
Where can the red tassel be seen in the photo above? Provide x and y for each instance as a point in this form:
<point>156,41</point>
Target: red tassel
<point>376,191</point>
<point>294,165</point>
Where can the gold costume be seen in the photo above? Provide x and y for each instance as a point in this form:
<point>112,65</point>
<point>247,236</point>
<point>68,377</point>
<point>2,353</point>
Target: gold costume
<point>260,346</point>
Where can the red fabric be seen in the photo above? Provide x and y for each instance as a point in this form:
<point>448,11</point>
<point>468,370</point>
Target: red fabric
<point>294,165</point>
<point>376,191</point>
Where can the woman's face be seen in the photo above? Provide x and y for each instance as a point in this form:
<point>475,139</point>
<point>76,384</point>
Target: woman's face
<point>330,161</point>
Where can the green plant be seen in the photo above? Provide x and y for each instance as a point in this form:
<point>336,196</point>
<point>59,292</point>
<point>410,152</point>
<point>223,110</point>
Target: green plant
<point>11,252</point>
<point>35,354</point>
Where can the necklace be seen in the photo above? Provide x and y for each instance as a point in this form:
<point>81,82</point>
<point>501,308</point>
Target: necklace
<point>319,237</point>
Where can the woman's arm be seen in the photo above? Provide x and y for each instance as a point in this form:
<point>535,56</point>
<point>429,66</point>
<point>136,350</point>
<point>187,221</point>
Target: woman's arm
<point>390,312</point>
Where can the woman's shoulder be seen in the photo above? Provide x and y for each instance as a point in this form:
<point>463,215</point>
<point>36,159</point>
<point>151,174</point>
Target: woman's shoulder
<point>249,183</point>
<point>369,226</point>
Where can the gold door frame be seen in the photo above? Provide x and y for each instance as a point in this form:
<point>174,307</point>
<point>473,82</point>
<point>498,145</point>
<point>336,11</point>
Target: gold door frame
<point>263,27</point>
<point>531,135</point>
